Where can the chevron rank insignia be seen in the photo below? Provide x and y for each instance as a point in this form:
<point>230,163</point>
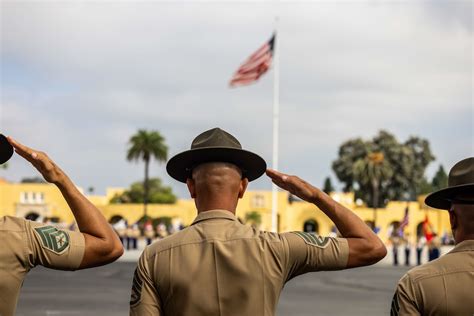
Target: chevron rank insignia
<point>313,239</point>
<point>53,239</point>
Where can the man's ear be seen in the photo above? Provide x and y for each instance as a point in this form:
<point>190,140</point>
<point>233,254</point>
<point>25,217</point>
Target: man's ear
<point>453,219</point>
<point>243,186</point>
<point>191,187</point>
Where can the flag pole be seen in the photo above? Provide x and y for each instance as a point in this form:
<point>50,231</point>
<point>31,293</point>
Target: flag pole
<point>276,113</point>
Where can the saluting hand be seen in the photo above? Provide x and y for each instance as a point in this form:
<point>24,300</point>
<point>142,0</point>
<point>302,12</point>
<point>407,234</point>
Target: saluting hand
<point>48,169</point>
<point>294,185</point>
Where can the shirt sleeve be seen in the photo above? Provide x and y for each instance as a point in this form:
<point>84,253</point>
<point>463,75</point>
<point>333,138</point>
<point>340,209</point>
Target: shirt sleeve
<point>308,252</point>
<point>144,298</point>
<point>404,299</point>
<point>53,248</point>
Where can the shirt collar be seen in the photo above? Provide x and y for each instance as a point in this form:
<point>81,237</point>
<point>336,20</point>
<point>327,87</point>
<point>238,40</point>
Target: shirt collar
<point>466,245</point>
<point>214,214</point>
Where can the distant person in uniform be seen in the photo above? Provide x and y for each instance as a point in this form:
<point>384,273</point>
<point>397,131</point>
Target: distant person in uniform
<point>407,246</point>
<point>434,248</point>
<point>217,265</point>
<point>26,244</point>
<point>445,286</point>
<point>396,241</point>
<point>420,244</point>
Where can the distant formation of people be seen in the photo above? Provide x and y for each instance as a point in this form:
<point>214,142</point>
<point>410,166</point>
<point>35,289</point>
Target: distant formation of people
<point>131,234</point>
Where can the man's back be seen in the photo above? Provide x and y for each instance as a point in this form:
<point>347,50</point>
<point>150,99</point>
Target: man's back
<point>440,287</point>
<point>218,266</point>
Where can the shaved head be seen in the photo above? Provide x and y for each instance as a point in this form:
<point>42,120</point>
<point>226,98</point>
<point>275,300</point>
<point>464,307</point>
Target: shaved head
<point>217,185</point>
<point>217,178</point>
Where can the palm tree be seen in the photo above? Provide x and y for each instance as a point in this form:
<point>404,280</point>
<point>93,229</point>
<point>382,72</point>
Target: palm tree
<point>372,170</point>
<point>146,145</point>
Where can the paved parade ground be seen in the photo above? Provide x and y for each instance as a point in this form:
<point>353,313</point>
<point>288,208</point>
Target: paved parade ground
<point>105,291</point>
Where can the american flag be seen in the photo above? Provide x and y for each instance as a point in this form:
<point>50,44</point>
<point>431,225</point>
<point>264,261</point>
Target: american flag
<point>255,66</point>
<point>403,223</point>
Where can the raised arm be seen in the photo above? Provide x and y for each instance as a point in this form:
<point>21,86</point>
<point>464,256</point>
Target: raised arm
<point>364,246</point>
<point>102,245</point>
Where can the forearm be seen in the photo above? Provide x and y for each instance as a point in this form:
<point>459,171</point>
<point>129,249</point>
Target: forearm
<point>346,221</point>
<point>365,247</point>
<point>101,243</point>
<point>88,218</point>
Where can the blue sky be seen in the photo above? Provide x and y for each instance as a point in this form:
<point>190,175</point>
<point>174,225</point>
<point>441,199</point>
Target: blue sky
<point>79,78</point>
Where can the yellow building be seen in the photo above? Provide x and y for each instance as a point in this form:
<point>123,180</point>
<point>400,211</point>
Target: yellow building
<point>33,200</point>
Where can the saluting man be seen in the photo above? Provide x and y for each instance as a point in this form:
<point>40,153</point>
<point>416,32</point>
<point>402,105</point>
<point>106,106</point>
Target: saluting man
<point>26,244</point>
<point>218,266</point>
<point>445,286</point>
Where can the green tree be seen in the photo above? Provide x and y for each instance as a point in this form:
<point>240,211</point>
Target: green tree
<point>136,194</point>
<point>406,162</point>
<point>33,180</point>
<point>371,173</point>
<point>425,187</point>
<point>254,218</point>
<point>440,179</point>
<point>328,187</point>
<point>145,146</point>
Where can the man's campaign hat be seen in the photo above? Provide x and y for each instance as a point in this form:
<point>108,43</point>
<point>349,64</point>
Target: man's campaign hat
<point>215,145</point>
<point>6,149</point>
<point>460,184</point>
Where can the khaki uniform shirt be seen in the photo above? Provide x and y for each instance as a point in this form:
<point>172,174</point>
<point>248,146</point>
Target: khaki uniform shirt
<point>218,266</point>
<point>26,244</point>
<point>441,287</point>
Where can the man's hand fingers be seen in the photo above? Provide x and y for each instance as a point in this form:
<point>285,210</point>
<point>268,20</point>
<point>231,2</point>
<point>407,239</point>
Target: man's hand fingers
<point>280,179</point>
<point>275,175</point>
<point>24,151</point>
<point>36,158</point>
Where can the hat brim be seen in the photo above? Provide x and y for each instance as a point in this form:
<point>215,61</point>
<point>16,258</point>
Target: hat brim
<point>180,166</point>
<point>6,150</point>
<point>442,199</point>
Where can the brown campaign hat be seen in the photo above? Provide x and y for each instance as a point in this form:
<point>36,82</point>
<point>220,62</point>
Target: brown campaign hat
<point>215,145</point>
<point>460,182</point>
<point>6,150</point>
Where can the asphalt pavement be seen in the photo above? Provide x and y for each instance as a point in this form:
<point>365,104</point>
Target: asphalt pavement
<point>105,291</point>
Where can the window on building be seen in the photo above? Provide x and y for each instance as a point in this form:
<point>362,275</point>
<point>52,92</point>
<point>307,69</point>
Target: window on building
<point>24,197</point>
<point>258,201</point>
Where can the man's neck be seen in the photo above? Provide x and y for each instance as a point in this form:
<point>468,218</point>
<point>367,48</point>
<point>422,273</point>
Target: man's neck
<point>463,237</point>
<point>217,205</point>
<point>213,209</point>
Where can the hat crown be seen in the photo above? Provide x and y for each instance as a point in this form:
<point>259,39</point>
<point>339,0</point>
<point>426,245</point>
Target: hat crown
<point>215,137</point>
<point>462,173</point>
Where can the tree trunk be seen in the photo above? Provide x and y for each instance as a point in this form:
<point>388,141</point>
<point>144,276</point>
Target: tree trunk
<point>145,188</point>
<point>375,199</point>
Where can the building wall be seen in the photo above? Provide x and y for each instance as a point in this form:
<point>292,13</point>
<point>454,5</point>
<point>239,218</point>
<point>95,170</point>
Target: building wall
<point>47,201</point>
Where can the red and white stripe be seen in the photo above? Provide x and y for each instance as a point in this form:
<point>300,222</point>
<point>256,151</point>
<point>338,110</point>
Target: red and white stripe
<point>255,66</point>
<point>403,223</point>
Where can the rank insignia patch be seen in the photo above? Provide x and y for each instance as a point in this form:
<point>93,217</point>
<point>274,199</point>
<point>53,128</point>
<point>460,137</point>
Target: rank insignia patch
<point>313,239</point>
<point>53,239</point>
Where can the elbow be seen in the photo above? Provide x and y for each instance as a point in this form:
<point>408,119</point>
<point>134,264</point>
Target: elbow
<point>112,250</point>
<point>116,250</point>
<point>380,252</point>
<point>377,251</point>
